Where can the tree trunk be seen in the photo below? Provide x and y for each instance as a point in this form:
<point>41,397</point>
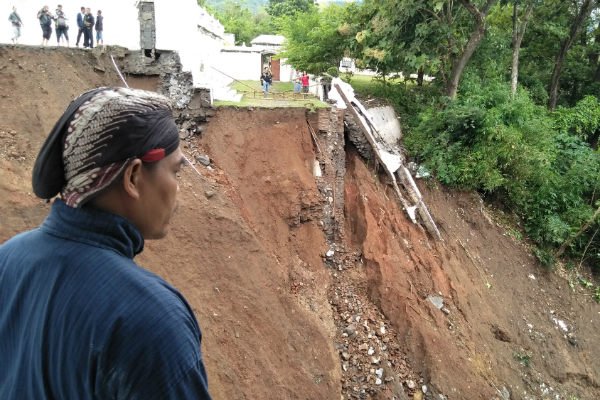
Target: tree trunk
<point>584,12</point>
<point>518,33</point>
<point>420,74</point>
<point>595,57</point>
<point>459,64</point>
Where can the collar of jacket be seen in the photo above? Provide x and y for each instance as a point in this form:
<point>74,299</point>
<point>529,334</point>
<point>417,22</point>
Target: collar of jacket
<point>94,227</point>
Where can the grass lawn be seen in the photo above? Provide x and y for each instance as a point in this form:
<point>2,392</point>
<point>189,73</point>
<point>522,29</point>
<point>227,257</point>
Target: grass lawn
<point>280,95</point>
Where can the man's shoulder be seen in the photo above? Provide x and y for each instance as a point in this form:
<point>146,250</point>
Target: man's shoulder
<point>23,240</point>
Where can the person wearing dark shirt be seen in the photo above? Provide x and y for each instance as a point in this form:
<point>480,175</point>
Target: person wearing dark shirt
<point>62,29</point>
<point>266,79</point>
<point>45,18</point>
<point>99,28</point>
<point>88,32</point>
<point>79,318</point>
<point>80,25</point>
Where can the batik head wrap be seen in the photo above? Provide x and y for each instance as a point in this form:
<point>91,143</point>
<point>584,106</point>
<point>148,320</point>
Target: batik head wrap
<point>95,139</point>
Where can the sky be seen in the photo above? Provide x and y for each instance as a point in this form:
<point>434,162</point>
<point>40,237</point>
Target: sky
<point>121,25</point>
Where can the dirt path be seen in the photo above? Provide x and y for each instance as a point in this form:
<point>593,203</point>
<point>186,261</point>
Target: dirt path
<point>247,250</point>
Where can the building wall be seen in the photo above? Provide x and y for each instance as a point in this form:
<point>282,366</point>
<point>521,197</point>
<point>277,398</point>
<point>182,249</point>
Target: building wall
<point>241,65</point>
<point>198,38</point>
<point>287,73</point>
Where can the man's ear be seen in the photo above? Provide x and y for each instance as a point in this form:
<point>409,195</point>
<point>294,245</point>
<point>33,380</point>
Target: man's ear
<point>132,178</point>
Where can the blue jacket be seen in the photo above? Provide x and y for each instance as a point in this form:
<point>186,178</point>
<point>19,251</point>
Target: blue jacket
<point>80,20</point>
<point>80,320</point>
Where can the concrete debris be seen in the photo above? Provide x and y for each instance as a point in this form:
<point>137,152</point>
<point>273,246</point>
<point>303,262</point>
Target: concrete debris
<point>561,324</point>
<point>386,151</point>
<point>422,172</point>
<point>437,301</point>
<point>504,393</point>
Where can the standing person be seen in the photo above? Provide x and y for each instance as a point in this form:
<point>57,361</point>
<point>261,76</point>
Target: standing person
<point>88,25</point>
<point>305,82</point>
<point>266,79</point>
<point>45,19</point>
<point>79,318</point>
<point>61,25</point>
<point>99,28</point>
<point>16,22</point>
<point>297,84</point>
<point>80,25</point>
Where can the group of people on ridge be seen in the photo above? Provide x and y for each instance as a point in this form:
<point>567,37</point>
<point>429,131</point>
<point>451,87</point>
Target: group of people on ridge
<point>86,23</point>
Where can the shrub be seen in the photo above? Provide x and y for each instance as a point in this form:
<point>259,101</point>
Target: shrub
<point>536,163</point>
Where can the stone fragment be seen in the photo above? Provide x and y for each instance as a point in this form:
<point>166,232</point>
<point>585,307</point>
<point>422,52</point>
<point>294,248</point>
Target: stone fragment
<point>203,159</point>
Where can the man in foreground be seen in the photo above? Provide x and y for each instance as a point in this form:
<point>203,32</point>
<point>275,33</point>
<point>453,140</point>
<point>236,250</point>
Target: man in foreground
<point>79,318</point>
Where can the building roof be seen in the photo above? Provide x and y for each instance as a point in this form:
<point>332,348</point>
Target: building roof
<point>273,40</point>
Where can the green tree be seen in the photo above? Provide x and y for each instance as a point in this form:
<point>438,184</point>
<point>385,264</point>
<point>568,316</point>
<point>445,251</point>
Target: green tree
<point>518,31</point>
<point>316,40</point>
<point>583,11</point>
<point>242,22</point>
<point>392,37</point>
<point>280,8</point>
<point>460,59</point>
<point>421,34</point>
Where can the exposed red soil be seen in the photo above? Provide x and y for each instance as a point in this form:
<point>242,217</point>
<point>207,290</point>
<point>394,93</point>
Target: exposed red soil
<point>246,249</point>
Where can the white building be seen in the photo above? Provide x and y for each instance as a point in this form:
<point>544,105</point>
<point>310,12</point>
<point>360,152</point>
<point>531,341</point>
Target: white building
<point>247,62</point>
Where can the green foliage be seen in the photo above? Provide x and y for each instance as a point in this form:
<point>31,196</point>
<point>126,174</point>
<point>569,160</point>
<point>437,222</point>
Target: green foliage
<point>408,99</point>
<point>523,358</point>
<point>240,21</point>
<point>315,40</point>
<point>255,6</point>
<point>545,257</point>
<point>582,120</point>
<point>289,8</point>
<point>512,151</point>
<point>333,71</point>
<point>405,35</point>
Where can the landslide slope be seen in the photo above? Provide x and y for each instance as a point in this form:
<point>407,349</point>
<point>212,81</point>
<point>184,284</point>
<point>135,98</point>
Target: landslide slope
<point>246,249</point>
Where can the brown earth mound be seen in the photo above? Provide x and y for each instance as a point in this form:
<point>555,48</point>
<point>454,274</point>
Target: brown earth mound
<point>247,250</point>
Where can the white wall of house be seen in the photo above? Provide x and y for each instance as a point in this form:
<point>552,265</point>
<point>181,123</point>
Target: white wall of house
<point>240,62</point>
<point>195,34</point>
<point>287,72</point>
